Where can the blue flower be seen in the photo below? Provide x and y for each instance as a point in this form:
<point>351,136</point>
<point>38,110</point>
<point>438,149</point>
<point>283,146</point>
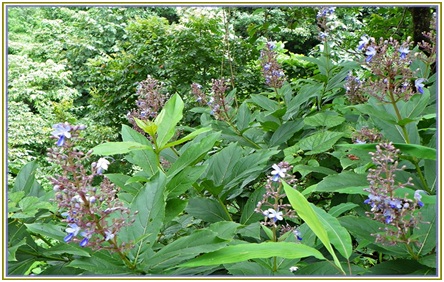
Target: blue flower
<point>418,197</point>
<point>109,235</point>
<point>395,204</point>
<point>370,53</point>
<point>72,230</point>
<point>272,214</point>
<point>61,130</point>
<point>278,172</point>
<point>419,85</point>
<point>102,165</point>
<point>297,234</point>
<point>85,239</point>
<point>364,41</point>
<point>404,51</point>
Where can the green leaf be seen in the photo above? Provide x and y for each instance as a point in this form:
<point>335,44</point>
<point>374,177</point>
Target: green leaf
<point>244,252</point>
<point>173,208</point>
<point>225,229</point>
<point>145,158</point>
<point>13,249</point>
<point>285,132</point>
<point>194,152</point>
<point>249,215</point>
<point>248,268</point>
<point>341,208</point>
<point>167,120</point>
<point>396,267</point>
<point>207,209</point>
<point>72,249</point>
<point>418,151</point>
<point>319,142</point>
<point>129,134</point>
<point>182,181</point>
<point>306,213</point>
<point>243,117</point>
<point>122,182</point>
<point>338,235</point>
<point>344,182</point>
<point>326,119</point>
<point>221,165</point>
<point>150,206</point>
<point>188,137</point>
<point>185,248</point>
<point>114,148</point>
<point>25,181</point>
<point>264,102</point>
<point>47,229</point>
<point>29,206</point>
<point>101,263</point>
<point>148,126</point>
<point>426,231</point>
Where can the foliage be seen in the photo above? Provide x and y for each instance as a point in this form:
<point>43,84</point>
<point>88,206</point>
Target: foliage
<point>327,168</point>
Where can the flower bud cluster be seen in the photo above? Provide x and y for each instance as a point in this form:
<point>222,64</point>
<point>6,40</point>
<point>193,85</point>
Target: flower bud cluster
<point>272,206</point>
<point>93,213</point>
<point>322,20</point>
<point>150,100</point>
<point>217,99</point>
<point>271,69</point>
<point>389,62</point>
<point>366,135</point>
<point>353,89</point>
<point>397,214</point>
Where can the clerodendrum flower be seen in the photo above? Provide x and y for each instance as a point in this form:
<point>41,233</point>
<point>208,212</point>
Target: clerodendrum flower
<point>272,214</point>
<point>419,85</point>
<point>102,165</point>
<point>418,197</point>
<point>364,41</point>
<point>72,231</point>
<point>278,172</point>
<point>370,53</point>
<point>61,130</point>
<point>404,51</point>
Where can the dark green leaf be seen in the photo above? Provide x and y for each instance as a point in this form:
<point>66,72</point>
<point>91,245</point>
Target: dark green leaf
<point>343,182</point>
<point>248,213</point>
<point>285,132</point>
<point>319,142</point>
<point>207,209</point>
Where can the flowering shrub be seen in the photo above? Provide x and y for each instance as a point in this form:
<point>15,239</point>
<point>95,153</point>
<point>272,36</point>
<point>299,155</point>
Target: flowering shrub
<point>331,174</point>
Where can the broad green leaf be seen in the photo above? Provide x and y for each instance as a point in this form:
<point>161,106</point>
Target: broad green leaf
<point>253,230</point>
<point>101,263</point>
<point>182,181</point>
<point>415,106</point>
<point>319,142</point>
<point>25,181</point>
<point>173,208</point>
<point>338,235</point>
<point>249,215</point>
<point>426,230</point>
<point>429,261</point>
<point>306,213</point>
<point>114,148</point>
<point>285,132</point>
<point>122,182</point>
<point>185,248</point>
<point>167,120</point>
<point>306,93</point>
<point>376,111</point>
<point>325,119</point>
<point>149,203</point>
<point>264,102</point>
<point>29,206</point>
<point>244,252</point>
<point>343,182</point>
<point>221,164</point>
<point>396,267</point>
<point>73,249</point>
<point>129,134</point>
<point>188,137</point>
<point>13,249</point>
<point>225,229</point>
<point>243,117</point>
<point>207,209</point>
<point>47,229</point>
<point>248,268</point>
<point>341,208</point>
<point>419,151</point>
<point>194,152</point>
<point>145,158</point>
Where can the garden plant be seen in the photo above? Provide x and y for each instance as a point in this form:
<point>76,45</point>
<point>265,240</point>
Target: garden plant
<point>222,141</point>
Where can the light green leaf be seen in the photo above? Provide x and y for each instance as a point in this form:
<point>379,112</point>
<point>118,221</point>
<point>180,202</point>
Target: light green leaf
<point>243,117</point>
<point>13,249</point>
<point>47,229</point>
<point>25,181</point>
<point>319,142</point>
<point>244,252</point>
<point>344,182</point>
<point>306,213</point>
<point>326,119</point>
<point>167,120</point>
<point>73,249</point>
<point>129,134</point>
<point>114,148</point>
<point>341,208</point>
<point>264,102</point>
<point>188,137</point>
<point>101,263</point>
<point>338,235</point>
<point>148,126</point>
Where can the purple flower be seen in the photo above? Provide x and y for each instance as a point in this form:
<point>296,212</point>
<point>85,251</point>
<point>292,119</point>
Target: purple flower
<point>370,53</point>
<point>395,204</point>
<point>61,130</point>
<point>102,165</point>
<point>72,231</point>
<point>85,239</point>
<point>109,235</point>
<point>419,85</point>
<point>297,234</point>
<point>404,51</point>
<point>272,214</point>
<point>364,41</point>
<point>418,197</point>
<point>278,172</point>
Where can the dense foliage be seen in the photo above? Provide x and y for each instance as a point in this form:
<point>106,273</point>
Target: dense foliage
<point>271,141</point>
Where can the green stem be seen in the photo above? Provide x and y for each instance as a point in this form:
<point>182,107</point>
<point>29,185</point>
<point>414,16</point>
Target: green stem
<point>225,209</point>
